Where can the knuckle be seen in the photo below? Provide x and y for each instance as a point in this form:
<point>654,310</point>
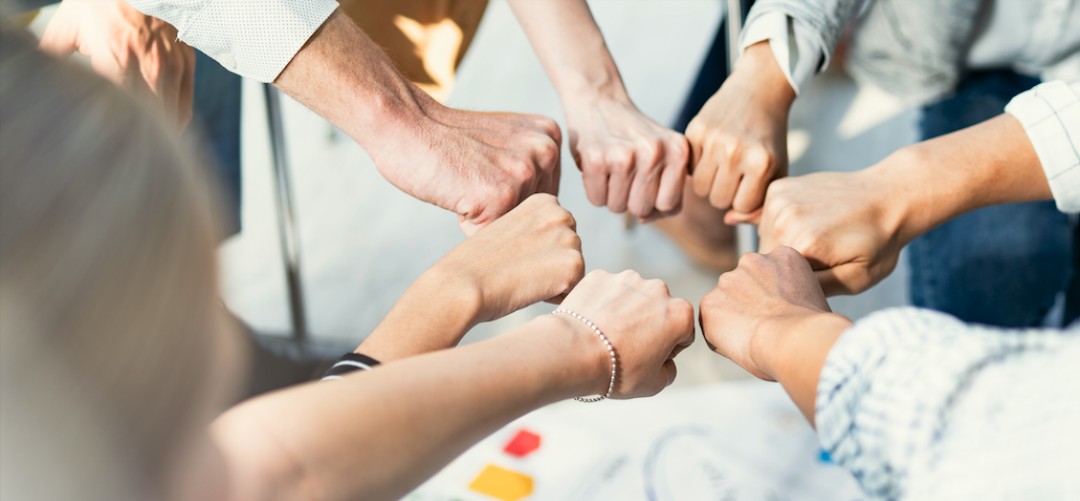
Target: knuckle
<point>788,255</point>
<point>719,199</point>
<point>524,173</point>
<point>566,219</point>
<point>621,158</point>
<point>658,286</point>
<point>650,151</point>
<point>577,264</point>
<point>504,198</point>
<point>547,124</point>
<point>548,154</point>
<point>678,148</point>
<point>598,274</point>
<point>594,158</point>
<point>757,160</point>
<point>696,129</point>
<point>751,260</point>
<point>683,310</point>
<point>570,240</point>
<point>808,242</point>
<point>724,282</point>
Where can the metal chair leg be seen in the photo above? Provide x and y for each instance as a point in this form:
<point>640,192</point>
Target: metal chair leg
<point>290,237</point>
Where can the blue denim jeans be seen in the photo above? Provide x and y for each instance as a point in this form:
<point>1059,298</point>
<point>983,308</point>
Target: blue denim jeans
<point>215,126</point>
<point>1002,265</point>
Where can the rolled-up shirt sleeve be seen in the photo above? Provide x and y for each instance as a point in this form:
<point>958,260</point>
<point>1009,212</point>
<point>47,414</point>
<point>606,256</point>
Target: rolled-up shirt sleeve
<point>1050,114</point>
<point>253,38</point>
<point>802,33</point>
<point>798,52</point>
<point>917,404</point>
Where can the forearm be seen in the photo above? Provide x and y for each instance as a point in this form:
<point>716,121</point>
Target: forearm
<point>792,350</point>
<point>345,78</point>
<point>378,434</point>
<point>937,180</point>
<point>571,48</point>
<point>759,73</point>
<point>433,314</point>
<point>826,19</point>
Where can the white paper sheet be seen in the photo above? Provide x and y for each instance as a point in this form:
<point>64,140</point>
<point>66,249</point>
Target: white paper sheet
<point>740,441</point>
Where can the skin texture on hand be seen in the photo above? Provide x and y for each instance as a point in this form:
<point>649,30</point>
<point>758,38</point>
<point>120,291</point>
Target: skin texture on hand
<point>844,223</point>
<point>763,287</point>
<point>738,141</point>
<point>770,316</point>
<point>628,161</point>
<point>852,226</point>
<point>647,327</point>
<point>529,255</point>
<point>133,50</point>
<point>478,165</point>
<point>376,435</point>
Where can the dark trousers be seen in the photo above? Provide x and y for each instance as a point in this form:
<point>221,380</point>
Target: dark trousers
<point>215,126</point>
<point>1003,265</point>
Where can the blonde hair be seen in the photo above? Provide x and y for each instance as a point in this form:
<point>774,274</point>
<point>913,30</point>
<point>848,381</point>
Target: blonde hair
<point>107,267</point>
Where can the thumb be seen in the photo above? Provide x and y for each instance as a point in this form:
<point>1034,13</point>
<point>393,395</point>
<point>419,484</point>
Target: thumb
<point>468,226</point>
<point>843,280</point>
<point>734,217</point>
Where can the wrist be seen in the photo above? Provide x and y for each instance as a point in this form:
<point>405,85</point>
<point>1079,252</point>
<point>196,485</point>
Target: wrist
<point>759,69</point>
<point>582,362</point>
<point>459,294</point>
<point>914,198</point>
<point>583,89</point>
<point>779,341</point>
<point>433,314</point>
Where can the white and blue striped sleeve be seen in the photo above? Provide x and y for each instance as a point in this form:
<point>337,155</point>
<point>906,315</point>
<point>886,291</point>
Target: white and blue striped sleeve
<point>918,405</point>
<point>253,38</point>
<point>1050,114</point>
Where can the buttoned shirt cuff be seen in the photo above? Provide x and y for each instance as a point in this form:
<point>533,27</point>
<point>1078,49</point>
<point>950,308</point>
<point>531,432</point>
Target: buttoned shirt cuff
<point>1050,114</point>
<point>253,38</point>
<point>799,54</point>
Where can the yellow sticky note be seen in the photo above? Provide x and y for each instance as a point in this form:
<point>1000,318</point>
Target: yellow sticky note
<point>502,484</point>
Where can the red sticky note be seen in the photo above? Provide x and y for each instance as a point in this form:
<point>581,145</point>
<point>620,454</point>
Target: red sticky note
<point>523,444</point>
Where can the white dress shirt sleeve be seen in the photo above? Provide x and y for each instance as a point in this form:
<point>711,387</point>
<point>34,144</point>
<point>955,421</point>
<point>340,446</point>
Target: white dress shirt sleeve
<point>253,38</point>
<point>797,50</point>
<point>1050,114</point>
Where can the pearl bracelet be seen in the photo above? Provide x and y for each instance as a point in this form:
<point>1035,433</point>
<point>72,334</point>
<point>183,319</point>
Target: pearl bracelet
<point>611,350</point>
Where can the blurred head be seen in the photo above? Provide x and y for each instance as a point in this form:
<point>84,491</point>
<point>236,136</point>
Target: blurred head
<point>116,352</point>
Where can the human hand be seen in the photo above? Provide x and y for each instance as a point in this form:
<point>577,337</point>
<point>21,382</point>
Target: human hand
<point>628,161</point>
<point>849,226</point>
<point>531,254</point>
<point>479,165</point>
<point>764,288</point>
<point>738,141</point>
<point>133,50</point>
<point>647,327</point>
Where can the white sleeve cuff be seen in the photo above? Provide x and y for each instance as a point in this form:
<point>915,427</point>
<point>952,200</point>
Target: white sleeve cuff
<point>795,49</point>
<point>253,38</point>
<point>1050,114</point>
